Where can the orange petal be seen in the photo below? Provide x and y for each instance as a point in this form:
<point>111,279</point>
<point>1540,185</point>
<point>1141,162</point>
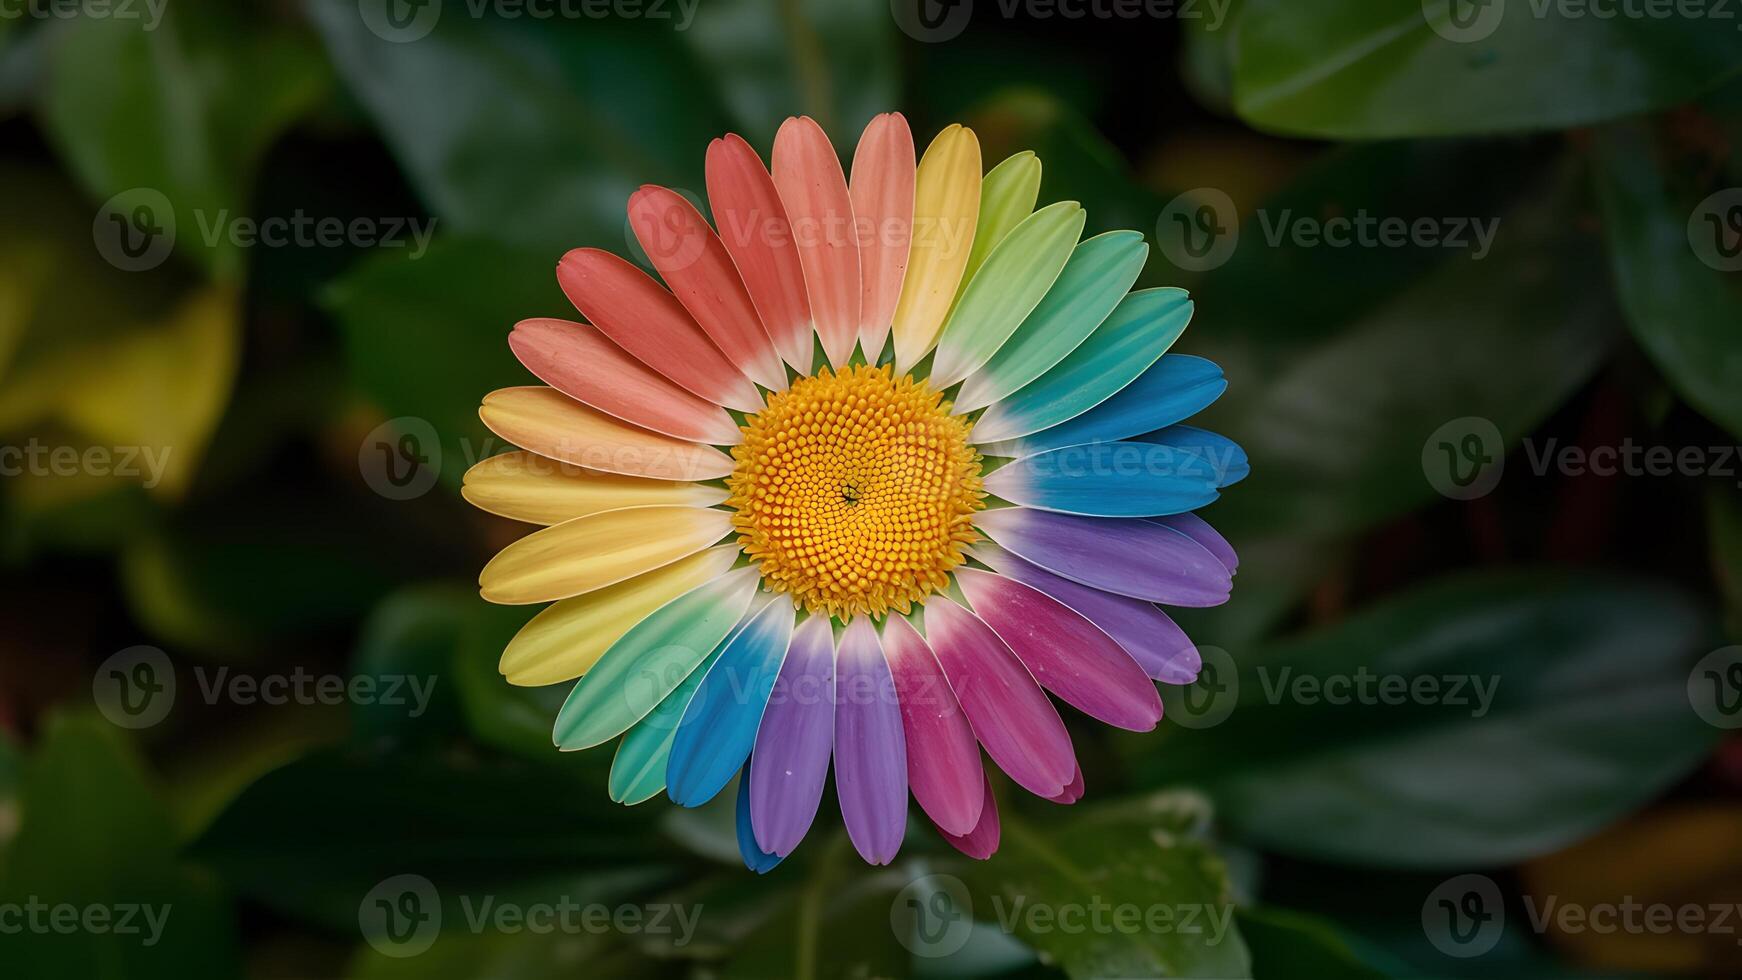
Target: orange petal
<point>693,262</point>
<point>527,487</point>
<point>808,175</point>
<point>582,363</point>
<point>648,322</point>
<point>882,189</point>
<point>555,426</point>
<point>754,228</point>
<point>598,550</point>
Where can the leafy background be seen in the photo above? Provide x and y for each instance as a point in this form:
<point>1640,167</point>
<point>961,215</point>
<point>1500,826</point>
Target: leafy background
<point>263,550</point>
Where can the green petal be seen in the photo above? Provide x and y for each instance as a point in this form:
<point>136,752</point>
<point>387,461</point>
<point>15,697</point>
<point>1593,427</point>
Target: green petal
<point>1006,290</point>
<point>1141,329</point>
<point>638,771</point>
<point>1093,282</point>
<point>651,660</point>
<point>1007,195</point>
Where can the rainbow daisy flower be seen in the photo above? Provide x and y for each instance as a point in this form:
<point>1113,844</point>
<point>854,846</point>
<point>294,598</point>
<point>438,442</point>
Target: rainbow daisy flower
<point>888,457</point>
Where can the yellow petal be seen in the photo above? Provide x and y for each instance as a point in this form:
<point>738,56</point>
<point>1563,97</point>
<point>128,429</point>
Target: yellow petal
<point>601,549</point>
<point>946,205</point>
<point>564,641</point>
<point>527,487</point>
<point>555,426</point>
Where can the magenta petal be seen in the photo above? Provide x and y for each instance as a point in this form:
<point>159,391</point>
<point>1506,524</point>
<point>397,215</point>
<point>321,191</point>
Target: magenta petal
<point>1011,716</point>
<point>1069,655</point>
<point>1199,530</point>
<point>1150,636</point>
<point>870,750</point>
<point>1129,556</point>
<point>981,842</point>
<point>943,760</point>
<point>1073,792</point>
<point>793,743</point>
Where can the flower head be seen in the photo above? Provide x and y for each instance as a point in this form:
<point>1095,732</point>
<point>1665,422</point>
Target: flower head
<point>881,463</point>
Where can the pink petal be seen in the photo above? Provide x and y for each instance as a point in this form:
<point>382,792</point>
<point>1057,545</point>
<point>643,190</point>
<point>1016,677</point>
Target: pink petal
<point>808,176</point>
<point>981,842</point>
<point>1012,717</point>
<point>693,262</point>
<point>1073,792</point>
<point>754,228</point>
<point>582,363</point>
<point>943,761</point>
<point>648,322</point>
<point>882,191</point>
<point>1069,655</point>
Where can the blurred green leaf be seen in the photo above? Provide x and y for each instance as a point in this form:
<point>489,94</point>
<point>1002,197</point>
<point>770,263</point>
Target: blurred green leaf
<point>414,632</point>
<point>427,338</point>
<point>185,107</point>
<point>1335,428</point>
<point>835,924</point>
<point>1150,855</point>
<point>10,765</point>
<point>515,719</point>
<point>1558,702</point>
<point>512,956</point>
<point>473,827</point>
<point>1356,69</point>
<point>833,60</point>
<point>95,839</point>
<point>1300,946</point>
<point>527,131</point>
<point>1683,310</point>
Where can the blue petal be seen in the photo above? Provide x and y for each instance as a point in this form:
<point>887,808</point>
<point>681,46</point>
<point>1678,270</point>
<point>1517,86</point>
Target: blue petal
<point>1223,454</point>
<point>1109,479</point>
<point>1176,388</point>
<point>719,726</point>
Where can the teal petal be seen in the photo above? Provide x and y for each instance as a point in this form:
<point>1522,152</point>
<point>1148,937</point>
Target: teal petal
<point>1140,330</point>
<point>1006,290</point>
<point>1096,278</point>
<point>651,660</point>
<point>1177,387</point>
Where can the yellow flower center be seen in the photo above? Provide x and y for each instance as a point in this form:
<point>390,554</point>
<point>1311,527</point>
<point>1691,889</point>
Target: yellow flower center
<point>856,491</point>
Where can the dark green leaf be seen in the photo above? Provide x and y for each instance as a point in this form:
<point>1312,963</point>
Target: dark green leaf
<point>185,108</point>
<point>1558,702</point>
<point>1131,889</point>
<point>528,131</point>
<point>95,840</point>
<point>413,633</point>
<point>1667,240</point>
<point>1356,69</point>
<point>1300,946</point>
<point>833,60</point>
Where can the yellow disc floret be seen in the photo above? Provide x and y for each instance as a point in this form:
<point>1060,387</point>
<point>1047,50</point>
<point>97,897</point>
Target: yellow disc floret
<point>855,492</point>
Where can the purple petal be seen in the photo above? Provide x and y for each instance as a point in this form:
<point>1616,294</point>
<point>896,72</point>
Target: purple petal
<point>981,842</point>
<point>1011,716</point>
<point>943,760</point>
<point>1199,530</point>
<point>1129,556</point>
<point>755,858</point>
<point>870,751</point>
<point>1160,647</point>
<point>1069,655</point>
<point>793,743</point>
